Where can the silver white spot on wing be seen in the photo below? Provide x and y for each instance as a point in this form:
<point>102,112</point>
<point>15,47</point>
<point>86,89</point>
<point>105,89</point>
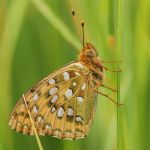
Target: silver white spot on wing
<point>39,119</point>
<point>78,119</point>
<point>83,86</point>
<point>77,73</point>
<point>80,99</point>
<point>25,126</point>
<point>47,126</point>
<point>51,81</point>
<point>18,124</point>
<point>53,109</point>
<point>53,90</point>
<point>74,83</point>
<point>69,93</point>
<point>60,112</point>
<point>79,65</point>
<point>35,97</point>
<point>66,76</point>
<point>70,112</point>
<point>54,99</point>
<point>34,109</point>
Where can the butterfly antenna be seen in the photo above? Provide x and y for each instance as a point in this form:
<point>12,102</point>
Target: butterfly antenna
<point>75,21</point>
<point>83,37</point>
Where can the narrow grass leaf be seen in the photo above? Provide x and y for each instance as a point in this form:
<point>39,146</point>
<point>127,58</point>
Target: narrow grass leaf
<point>119,42</point>
<point>56,22</point>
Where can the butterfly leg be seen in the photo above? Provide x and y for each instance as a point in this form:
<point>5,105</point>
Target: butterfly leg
<point>95,71</point>
<point>111,70</point>
<point>103,61</point>
<point>100,84</point>
<point>107,97</point>
<point>109,88</point>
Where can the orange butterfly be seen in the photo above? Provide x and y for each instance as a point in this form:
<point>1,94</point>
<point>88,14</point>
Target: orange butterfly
<point>63,104</point>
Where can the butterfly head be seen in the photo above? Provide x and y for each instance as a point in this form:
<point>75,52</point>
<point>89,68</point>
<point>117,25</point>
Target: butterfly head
<point>89,51</point>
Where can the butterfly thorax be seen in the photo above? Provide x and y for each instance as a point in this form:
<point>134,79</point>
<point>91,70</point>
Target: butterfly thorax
<point>89,57</point>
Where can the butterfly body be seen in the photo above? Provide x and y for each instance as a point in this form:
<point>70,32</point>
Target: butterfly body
<point>89,57</point>
<point>64,103</point>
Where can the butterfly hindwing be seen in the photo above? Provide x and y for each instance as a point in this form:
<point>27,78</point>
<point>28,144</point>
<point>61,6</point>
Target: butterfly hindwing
<point>61,105</point>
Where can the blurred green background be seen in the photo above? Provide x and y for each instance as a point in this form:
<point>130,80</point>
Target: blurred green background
<point>38,36</point>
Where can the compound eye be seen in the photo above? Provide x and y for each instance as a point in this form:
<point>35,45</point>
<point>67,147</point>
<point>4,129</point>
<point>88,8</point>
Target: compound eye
<point>90,53</point>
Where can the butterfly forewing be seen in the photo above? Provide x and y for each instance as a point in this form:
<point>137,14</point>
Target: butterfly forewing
<point>61,105</point>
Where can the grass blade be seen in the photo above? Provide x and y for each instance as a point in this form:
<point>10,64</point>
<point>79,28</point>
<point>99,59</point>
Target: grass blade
<point>56,22</point>
<point>12,26</point>
<point>32,122</point>
<point>119,36</point>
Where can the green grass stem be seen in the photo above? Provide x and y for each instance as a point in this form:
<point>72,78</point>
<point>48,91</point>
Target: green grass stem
<point>33,126</point>
<point>119,47</point>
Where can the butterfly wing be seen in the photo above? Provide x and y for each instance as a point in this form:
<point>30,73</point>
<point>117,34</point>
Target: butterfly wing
<point>61,105</point>
<point>84,106</point>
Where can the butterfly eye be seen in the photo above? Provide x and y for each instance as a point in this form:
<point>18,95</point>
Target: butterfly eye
<point>91,53</point>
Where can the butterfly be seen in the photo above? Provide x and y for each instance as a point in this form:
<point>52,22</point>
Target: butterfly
<point>63,104</point>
